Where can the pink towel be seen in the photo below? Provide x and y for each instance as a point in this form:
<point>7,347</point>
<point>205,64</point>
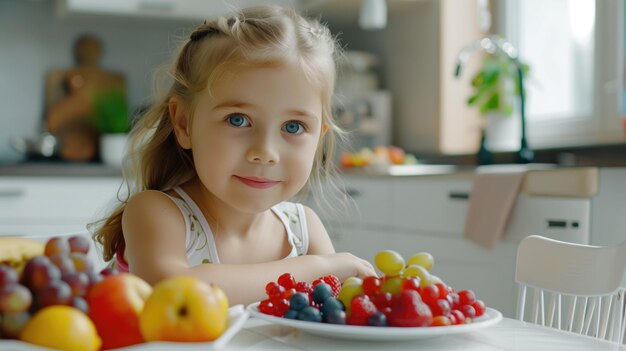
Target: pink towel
<point>493,195</point>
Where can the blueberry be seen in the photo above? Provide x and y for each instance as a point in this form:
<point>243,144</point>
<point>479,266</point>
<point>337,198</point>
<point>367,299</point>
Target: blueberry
<point>310,314</point>
<point>378,319</point>
<point>298,301</point>
<point>335,317</point>
<point>291,314</point>
<point>321,292</point>
<point>330,304</point>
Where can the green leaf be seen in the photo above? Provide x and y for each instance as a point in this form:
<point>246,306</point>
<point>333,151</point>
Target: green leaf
<point>110,111</point>
<point>490,87</point>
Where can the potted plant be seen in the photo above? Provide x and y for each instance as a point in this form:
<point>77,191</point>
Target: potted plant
<point>496,86</point>
<point>110,116</point>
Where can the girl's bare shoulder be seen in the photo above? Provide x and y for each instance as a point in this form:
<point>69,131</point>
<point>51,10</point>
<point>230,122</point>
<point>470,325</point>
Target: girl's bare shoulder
<point>151,202</point>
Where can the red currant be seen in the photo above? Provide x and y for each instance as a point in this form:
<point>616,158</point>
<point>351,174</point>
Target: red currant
<point>411,283</point>
<point>459,316</point>
<point>441,307</point>
<point>441,321</point>
<point>382,300</point>
<point>468,311</point>
<point>287,281</point>
<point>443,290</point>
<point>267,307</point>
<point>466,297</point>
<point>454,300</point>
<point>480,307</point>
<point>371,285</point>
<point>430,294</point>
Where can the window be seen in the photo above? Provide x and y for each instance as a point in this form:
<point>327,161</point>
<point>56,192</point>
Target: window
<point>574,90</point>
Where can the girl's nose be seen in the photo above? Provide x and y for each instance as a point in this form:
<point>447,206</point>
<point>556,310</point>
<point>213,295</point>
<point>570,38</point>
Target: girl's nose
<point>263,151</point>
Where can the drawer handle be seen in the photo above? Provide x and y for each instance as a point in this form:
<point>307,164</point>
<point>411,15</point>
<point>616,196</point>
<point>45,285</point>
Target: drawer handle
<point>457,195</point>
<point>11,193</point>
<point>353,192</point>
<point>560,223</point>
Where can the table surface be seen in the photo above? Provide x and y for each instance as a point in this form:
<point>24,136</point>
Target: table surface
<point>508,334</point>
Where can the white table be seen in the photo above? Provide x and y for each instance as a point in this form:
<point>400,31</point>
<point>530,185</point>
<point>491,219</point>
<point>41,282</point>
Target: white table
<point>260,335</point>
<point>508,334</point>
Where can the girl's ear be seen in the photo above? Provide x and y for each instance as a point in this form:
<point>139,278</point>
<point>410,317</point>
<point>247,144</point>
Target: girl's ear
<point>180,120</point>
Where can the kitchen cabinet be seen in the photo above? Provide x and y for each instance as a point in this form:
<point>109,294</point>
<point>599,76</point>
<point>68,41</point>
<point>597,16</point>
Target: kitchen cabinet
<point>418,51</point>
<point>39,207</point>
<point>45,206</point>
<point>410,214</point>
<point>179,9</point>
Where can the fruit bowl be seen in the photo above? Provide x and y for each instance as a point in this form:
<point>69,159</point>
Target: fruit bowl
<point>353,332</point>
<point>237,316</point>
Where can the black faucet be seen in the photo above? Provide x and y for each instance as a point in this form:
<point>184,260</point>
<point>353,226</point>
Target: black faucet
<point>492,45</point>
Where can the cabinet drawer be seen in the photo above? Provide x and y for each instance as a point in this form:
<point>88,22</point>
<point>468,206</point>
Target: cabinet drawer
<point>54,200</point>
<point>372,201</point>
<point>565,219</point>
<point>431,204</point>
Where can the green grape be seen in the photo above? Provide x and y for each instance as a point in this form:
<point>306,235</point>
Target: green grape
<point>347,292</point>
<point>417,271</point>
<point>392,285</point>
<point>423,259</point>
<point>389,262</point>
<point>352,281</point>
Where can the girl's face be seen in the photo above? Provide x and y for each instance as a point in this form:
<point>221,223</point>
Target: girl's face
<point>255,138</point>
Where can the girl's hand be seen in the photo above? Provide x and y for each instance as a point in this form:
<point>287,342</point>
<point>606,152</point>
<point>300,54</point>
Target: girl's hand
<point>345,265</point>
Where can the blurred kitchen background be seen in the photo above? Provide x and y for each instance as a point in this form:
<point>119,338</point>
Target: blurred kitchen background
<point>409,69</point>
<point>397,85</point>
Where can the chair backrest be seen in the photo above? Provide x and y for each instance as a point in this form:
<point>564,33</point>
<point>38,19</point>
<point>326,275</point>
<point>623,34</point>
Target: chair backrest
<point>572,287</point>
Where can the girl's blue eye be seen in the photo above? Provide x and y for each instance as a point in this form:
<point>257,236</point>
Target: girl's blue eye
<point>293,128</point>
<point>237,120</point>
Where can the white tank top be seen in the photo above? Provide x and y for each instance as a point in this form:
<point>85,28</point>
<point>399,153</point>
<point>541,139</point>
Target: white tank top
<point>199,241</point>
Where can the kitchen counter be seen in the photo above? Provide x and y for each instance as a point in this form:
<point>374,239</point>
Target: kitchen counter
<point>58,169</point>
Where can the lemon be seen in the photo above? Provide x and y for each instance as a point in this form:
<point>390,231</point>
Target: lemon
<point>63,328</point>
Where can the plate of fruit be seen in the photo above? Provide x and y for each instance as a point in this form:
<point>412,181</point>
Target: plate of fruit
<point>53,297</point>
<point>407,302</point>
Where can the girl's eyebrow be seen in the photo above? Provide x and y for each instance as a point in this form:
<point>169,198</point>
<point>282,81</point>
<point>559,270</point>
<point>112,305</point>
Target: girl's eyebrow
<point>240,104</point>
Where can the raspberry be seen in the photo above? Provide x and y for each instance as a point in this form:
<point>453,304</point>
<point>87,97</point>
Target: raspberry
<point>331,280</point>
<point>304,287</point>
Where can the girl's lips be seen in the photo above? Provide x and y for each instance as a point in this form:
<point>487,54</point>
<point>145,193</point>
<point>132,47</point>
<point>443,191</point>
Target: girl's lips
<point>257,183</point>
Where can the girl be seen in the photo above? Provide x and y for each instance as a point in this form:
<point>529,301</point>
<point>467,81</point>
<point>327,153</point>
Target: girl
<point>245,126</point>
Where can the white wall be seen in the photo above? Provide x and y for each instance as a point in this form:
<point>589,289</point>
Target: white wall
<point>34,40</point>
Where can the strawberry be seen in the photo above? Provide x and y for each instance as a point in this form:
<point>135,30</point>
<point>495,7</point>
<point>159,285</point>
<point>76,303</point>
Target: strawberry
<point>331,280</point>
<point>408,310</point>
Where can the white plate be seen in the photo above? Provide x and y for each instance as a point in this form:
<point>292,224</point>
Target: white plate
<point>490,317</point>
<point>237,316</point>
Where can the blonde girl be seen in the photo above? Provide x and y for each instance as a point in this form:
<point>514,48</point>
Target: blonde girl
<point>245,126</point>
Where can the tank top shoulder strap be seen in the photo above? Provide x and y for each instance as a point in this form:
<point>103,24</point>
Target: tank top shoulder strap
<point>293,214</point>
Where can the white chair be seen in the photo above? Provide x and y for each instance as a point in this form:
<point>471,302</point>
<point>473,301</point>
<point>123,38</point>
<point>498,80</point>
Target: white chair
<point>577,284</point>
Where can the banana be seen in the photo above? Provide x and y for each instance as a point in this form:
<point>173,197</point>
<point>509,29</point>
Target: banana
<point>16,251</point>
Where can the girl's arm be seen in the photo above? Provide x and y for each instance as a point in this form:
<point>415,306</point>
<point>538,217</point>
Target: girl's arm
<point>154,231</point>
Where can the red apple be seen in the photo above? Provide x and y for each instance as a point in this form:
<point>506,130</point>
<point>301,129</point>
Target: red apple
<point>115,304</point>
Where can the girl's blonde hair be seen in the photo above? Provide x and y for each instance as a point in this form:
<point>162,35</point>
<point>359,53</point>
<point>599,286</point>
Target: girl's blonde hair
<point>254,36</point>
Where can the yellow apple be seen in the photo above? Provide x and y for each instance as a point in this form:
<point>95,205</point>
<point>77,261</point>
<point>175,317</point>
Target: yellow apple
<point>184,309</point>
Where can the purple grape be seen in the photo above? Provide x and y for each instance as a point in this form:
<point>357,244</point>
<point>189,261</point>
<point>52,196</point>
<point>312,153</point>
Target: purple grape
<point>8,275</point>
